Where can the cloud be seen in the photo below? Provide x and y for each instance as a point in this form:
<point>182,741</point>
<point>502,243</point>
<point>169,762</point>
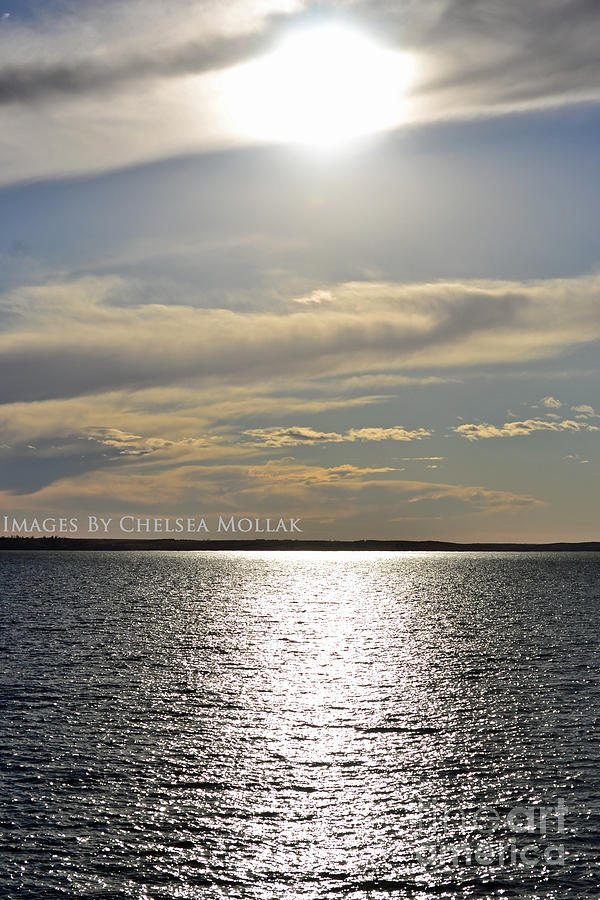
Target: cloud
<point>267,488</point>
<point>95,83</point>
<point>136,445</point>
<point>475,432</point>
<point>551,403</point>
<point>56,451</point>
<point>585,411</point>
<point>490,53</point>
<point>575,457</point>
<point>183,416</point>
<point>90,88</point>
<point>297,435</point>
<point>37,81</point>
<point>315,297</point>
<point>388,434</point>
<point>419,458</point>
<point>72,339</point>
<point>292,436</point>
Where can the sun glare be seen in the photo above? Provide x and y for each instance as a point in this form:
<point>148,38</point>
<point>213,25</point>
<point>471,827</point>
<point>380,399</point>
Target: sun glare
<point>322,86</point>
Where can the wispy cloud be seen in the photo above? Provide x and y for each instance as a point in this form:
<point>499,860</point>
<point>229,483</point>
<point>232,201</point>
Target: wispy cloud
<point>275,485</point>
<point>84,342</point>
<point>109,66</point>
<point>73,82</point>
<point>491,54</point>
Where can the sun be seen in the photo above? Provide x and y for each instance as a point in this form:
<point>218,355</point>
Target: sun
<point>322,86</point>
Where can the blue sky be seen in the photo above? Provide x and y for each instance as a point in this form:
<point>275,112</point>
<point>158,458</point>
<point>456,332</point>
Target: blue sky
<point>396,337</point>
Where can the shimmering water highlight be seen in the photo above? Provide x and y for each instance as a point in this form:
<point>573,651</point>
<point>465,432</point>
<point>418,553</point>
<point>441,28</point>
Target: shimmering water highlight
<point>298,725</point>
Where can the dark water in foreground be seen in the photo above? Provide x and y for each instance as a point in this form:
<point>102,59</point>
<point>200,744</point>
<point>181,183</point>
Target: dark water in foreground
<point>302,725</point>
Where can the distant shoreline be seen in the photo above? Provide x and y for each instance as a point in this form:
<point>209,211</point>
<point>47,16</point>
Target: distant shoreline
<point>94,544</point>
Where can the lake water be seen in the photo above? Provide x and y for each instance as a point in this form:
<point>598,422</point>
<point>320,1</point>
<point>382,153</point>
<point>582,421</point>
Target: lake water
<point>299,725</point>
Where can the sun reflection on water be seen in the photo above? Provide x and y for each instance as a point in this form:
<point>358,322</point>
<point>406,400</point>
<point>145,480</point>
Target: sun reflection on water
<point>255,725</point>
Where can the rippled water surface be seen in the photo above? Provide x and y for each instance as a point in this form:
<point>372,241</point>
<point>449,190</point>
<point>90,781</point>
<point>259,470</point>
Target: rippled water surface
<point>299,725</point>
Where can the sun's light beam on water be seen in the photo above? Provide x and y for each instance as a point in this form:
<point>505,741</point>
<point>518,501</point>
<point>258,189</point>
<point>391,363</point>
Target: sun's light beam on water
<point>322,86</point>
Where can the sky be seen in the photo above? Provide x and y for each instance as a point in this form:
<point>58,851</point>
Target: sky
<point>338,262</point>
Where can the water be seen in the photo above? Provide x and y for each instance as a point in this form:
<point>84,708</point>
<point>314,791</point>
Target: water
<point>299,725</point>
